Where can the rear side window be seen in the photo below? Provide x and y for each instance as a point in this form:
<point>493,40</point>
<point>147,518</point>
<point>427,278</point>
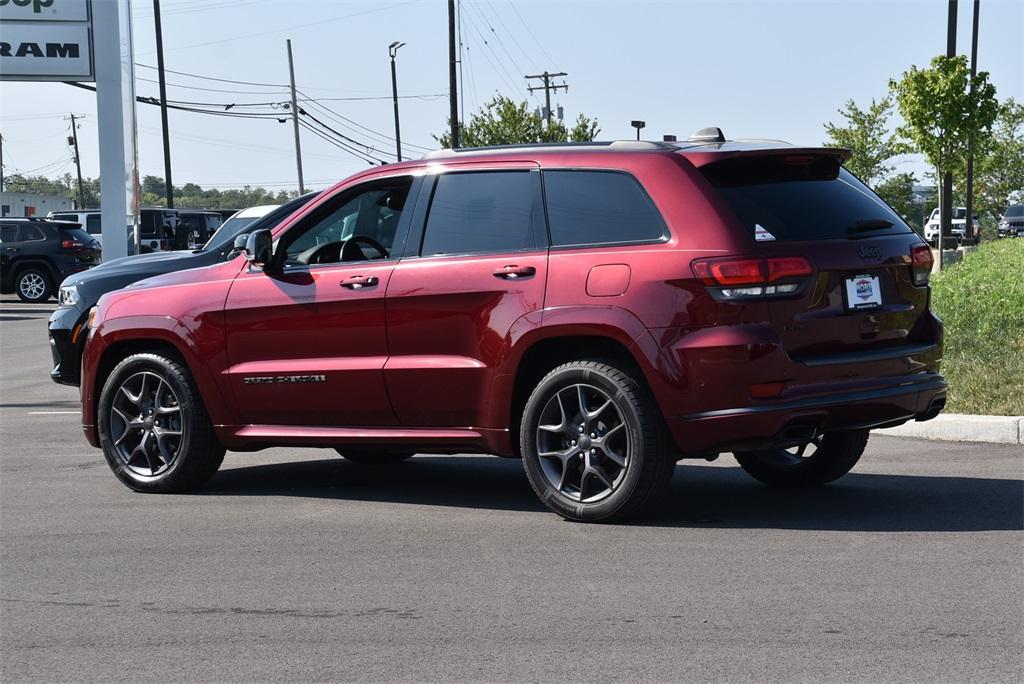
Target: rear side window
<point>801,197</point>
<point>9,233</point>
<point>482,212</point>
<point>599,207</point>
<point>30,233</point>
<point>92,224</point>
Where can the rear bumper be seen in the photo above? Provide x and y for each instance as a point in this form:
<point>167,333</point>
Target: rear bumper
<point>918,397</point>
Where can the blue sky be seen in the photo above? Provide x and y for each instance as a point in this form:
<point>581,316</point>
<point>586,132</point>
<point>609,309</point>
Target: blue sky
<point>757,69</point>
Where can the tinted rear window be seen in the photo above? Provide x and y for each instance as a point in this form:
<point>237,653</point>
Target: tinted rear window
<point>599,207</point>
<point>801,198</point>
<point>481,212</point>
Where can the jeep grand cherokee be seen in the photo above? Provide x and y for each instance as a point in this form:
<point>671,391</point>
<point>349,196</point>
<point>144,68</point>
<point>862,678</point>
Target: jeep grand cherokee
<point>599,310</point>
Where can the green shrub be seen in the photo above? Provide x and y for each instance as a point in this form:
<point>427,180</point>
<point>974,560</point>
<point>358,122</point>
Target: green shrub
<point>981,302</point>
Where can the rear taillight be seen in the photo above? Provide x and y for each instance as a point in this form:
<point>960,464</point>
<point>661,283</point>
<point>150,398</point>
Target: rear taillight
<point>71,244</point>
<point>744,278</point>
<point>921,263</point>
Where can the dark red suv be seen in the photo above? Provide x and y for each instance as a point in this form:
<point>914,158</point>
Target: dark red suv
<point>600,310</point>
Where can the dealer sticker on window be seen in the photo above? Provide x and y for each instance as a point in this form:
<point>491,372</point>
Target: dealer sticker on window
<point>863,291</point>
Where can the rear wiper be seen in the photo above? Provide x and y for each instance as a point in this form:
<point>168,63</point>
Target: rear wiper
<point>868,224</point>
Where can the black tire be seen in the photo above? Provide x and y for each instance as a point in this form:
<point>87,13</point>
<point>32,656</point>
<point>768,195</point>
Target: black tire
<point>836,454</point>
<point>197,454</point>
<point>649,460</point>
<point>33,285</point>
<point>365,457</point>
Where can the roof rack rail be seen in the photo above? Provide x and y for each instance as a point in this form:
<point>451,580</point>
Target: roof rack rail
<point>613,145</point>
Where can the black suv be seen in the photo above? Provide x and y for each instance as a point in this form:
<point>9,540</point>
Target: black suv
<point>79,293</point>
<point>35,255</point>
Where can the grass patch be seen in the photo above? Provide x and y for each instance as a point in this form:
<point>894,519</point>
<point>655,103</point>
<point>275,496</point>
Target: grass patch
<point>981,302</point>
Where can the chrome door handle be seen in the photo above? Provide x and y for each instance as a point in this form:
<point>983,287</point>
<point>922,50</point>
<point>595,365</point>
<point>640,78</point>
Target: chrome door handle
<point>359,282</point>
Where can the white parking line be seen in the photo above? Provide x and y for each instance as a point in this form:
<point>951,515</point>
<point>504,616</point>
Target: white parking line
<point>49,413</point>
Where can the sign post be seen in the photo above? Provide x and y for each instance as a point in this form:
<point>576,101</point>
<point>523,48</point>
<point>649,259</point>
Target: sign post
<point>85,40</point>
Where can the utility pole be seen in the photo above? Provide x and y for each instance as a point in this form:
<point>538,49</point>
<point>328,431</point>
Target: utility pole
<point>946,196</point>
<point>78,161</point>
<point>392,51</point>
<point>163,104</point>
<point>453,95</point>
<point>295,119</point>
<point>970,137</point>
<point>547,88</point>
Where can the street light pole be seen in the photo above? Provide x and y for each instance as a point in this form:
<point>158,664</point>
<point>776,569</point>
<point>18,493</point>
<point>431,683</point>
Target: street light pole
<point>638,125</point>
<point>969,221</point>
<point>392,51</point>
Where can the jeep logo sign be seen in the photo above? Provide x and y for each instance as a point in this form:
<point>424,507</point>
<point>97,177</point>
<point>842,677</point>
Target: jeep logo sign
<point>46,40</point>
<point>871,252</point>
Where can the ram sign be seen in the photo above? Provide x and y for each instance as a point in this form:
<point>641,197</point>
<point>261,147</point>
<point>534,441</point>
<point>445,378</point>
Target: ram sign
<point>46,40</point>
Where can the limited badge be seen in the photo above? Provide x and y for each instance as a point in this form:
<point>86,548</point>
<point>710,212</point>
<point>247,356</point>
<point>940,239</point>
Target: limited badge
<point>760,234</point>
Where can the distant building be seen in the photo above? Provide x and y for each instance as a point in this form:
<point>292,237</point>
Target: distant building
<point>28,204</point>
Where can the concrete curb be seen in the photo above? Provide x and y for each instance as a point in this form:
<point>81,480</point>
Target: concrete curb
<point>957,427</point>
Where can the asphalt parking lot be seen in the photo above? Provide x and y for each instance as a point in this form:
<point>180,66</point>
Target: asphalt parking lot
<point>294,565</point>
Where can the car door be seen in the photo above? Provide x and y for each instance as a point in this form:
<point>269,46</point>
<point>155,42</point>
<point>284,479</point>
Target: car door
<point>9,246</point>
<point>478,265</point>
<point>306,336</point>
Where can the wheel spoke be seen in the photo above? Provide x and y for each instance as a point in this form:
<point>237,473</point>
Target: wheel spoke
<point>599,473</point>
<point>614,457</point>
<point>591,415</point>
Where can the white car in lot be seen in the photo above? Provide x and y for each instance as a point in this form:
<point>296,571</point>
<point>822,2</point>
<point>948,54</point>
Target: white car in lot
<point>931,226</point>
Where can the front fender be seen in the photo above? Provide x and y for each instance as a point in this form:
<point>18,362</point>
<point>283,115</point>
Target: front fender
<point>198,351</point>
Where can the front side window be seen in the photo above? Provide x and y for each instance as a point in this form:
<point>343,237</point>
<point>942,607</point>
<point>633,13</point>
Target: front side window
<point>599,207</point>
<point>8,233</point>
<point>351,231</point>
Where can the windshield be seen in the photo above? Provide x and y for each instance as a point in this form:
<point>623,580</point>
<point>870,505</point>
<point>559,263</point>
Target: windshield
<point>228,230</point>
<point>959,212</point>
<point>1015,210</point>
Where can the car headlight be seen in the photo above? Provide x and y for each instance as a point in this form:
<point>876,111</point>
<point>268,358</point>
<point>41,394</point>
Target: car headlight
<point>68,295</point>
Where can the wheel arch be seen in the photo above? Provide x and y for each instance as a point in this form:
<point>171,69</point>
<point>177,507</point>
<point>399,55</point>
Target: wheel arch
<point>119,338</point>
<point>560,346</point>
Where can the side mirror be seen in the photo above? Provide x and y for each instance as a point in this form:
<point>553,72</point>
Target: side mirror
<point>259,246</point>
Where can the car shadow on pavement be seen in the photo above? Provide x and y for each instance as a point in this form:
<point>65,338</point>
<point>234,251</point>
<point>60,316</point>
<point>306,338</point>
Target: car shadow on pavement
<point>700,496</point>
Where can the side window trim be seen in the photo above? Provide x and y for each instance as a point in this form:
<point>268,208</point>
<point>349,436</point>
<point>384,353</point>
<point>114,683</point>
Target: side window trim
<point>539,231</point>
<point>666,233</point>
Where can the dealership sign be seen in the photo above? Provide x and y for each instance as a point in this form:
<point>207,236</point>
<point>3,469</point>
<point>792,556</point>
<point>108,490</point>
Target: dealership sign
<point>46,40</point>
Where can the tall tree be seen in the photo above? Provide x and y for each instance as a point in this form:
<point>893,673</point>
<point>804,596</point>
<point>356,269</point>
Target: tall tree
<point>867,135</point>
<point>940,108</point>
<point>999,166</point>
<point>503,121</point>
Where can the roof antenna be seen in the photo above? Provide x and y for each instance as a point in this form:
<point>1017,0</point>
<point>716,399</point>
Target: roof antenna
<point>711,134</point>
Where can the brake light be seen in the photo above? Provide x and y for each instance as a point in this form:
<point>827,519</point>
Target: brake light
<point>744,278</point>
<point>71,244</point>
<point>921,263</point>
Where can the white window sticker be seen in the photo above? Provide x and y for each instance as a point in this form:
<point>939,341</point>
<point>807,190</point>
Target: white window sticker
<point>760,234</point>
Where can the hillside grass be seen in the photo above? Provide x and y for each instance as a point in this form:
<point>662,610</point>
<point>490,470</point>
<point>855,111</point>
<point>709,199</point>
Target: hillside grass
<point>981,302</point>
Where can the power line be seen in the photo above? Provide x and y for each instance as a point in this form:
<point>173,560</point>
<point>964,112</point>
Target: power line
<point>530,31</point>
<point>214,78</point>
<point>496,64</point>
<point>344,121</point>
<point>292,27</point>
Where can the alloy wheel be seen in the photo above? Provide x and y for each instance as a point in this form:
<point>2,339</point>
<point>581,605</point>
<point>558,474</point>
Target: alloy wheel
<point>583,443</point>
<point>146,424</point>
<point>32,285</point>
